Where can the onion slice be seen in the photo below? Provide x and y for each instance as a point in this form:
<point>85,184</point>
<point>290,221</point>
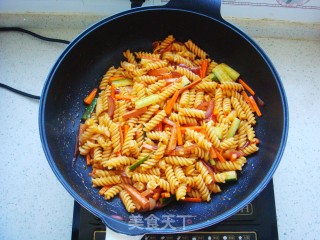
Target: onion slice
<point>195,70</point>
<point>232,153</point>
<point>210,109</point>
<point>152,204</point>
<point>169,122</point>
<point>111,106</point>
<point>181,150</point>
<point>150,147</point>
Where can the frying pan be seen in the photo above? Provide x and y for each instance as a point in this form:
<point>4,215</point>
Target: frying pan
<point>84,61</point>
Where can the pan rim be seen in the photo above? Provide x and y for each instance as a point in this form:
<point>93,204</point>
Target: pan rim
<point>107,219</point>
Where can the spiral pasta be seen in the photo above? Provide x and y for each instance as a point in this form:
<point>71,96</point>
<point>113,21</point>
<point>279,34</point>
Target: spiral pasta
<point>181,191</point>
<point>195,49</point>
<point>105,80</point>
<point>127,201</point>
<point>190,112</point>
<point>154,121</point>
<point>199,139</point>
<point>104,181</point>
<point>161,119</point>
<point>189,74</point>
<point>203,189</point>
<point>183,119</point>
<point>112,192</point>
<point>180,161</point>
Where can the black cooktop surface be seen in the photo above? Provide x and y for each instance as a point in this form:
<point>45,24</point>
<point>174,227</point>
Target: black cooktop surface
<point>255,221</point>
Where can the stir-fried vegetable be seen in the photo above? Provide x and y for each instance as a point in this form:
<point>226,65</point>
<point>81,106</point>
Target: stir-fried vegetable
<point>88,100</point>
<point>138,163</point>
<point>89,109</point>
<point>122,82</point>
<point>146,101</point>
<point>230,71</point>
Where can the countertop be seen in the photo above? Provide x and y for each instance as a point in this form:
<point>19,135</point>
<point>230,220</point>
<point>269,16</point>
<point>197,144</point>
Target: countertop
<point>34,205</point>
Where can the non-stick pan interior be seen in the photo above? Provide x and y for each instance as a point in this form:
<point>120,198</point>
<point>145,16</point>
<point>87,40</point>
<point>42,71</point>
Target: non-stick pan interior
<point>80,68</point>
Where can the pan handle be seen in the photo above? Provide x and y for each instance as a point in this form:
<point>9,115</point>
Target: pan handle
<point>208,7</point>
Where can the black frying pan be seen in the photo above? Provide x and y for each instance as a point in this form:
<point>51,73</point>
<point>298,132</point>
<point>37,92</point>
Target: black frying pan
<point>85,60</point>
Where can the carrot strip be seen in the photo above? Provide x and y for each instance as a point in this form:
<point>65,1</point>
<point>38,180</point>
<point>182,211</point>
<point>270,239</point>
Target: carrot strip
<point>195,128</point>
<point>125,130</point>
<point>158,71</point>
<point>245,96</point>
<point>192,199</point>
<point>179,135</point>
<point>156,196</point>
<point>212,153</point>
<point>220,157</point>
<point>137,196</point>
<point>88,100</point>
<point>190,85</point>
<point>165,195</point>
<point>204,67</point>
<point>134,113</point>
<point>147,193</point>
<point>159,127</point>
<point>255,106</point>
<point>121,136</point>
<point>170,105</point>
<point>88,159</point>
<point>113,90</point>
<point>124,97</point>
<point>103,190</point>
<point>173,139</point>
<point>246,86</point>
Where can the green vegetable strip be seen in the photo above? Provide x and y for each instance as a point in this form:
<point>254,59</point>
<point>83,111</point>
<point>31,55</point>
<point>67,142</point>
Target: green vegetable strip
<point>212,162</point>
<point>146,101</point>
<point>218,131</point>
<point>89,109</point>
<point>213,77</point>
<point>137,164</point>
<point>164,201</point>
<point>230,71</point>
<point>221,74</point>
<point>233,128</point>
<point>122,82</point>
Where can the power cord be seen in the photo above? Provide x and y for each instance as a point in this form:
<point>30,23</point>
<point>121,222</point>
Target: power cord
<point>19,92</point>
<point>17,29</point>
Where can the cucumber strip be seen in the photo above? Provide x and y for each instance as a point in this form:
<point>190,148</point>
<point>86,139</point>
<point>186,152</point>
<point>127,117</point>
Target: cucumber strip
<point>221,74</point>
<point>213,77</point>
<point>144,61</point>
<point>146,101</point>
<point>230,176</point>
<point>233,128</point>
<point>185,81</point>
<point>218,131</point>
<point>122,82</point>
<point>212,162</point>
<point>230,71</point>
